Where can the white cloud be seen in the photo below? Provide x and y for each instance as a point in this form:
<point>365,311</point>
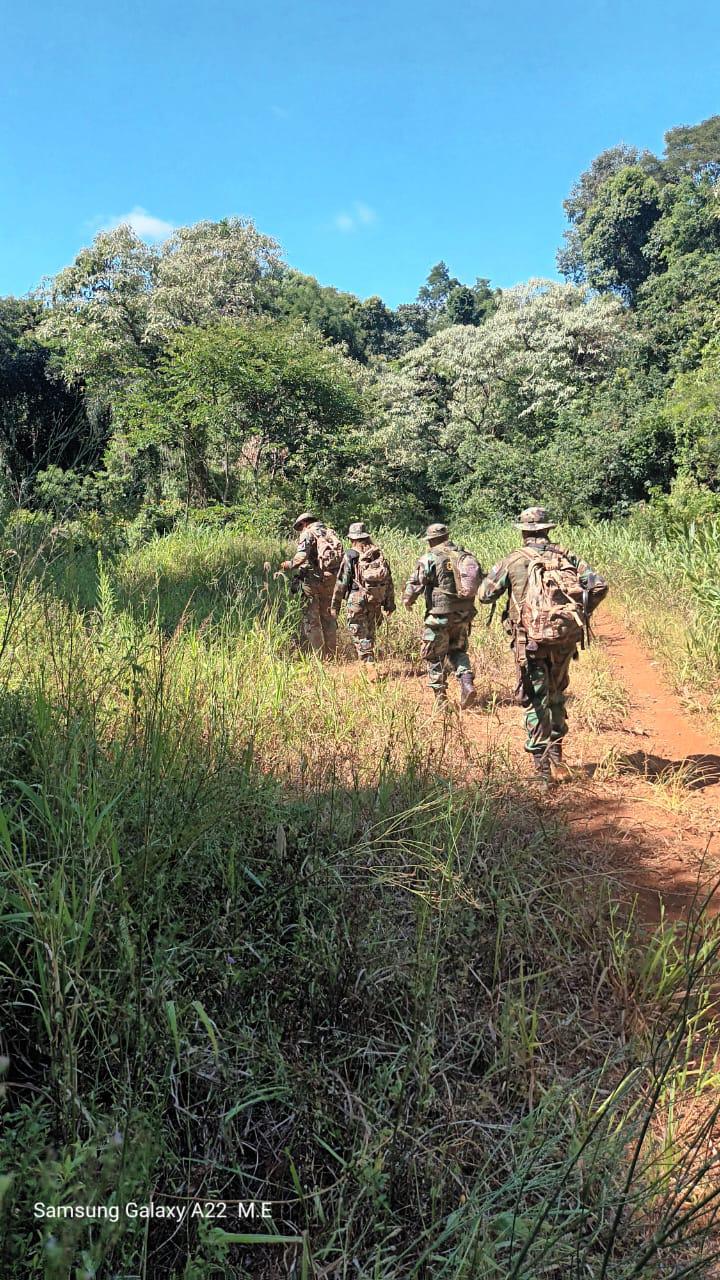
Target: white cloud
<point>144,224</point>
<point>360,216</point>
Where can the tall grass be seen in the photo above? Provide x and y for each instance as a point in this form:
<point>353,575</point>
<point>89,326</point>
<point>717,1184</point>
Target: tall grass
<point>669,585</point>
<point>272,932</point>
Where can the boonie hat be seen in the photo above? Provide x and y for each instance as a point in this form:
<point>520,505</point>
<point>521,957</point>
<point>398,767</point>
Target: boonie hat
<point>357,532</point>
<point>303,519</point>
<point>434,531</point>
<point>534,520</point>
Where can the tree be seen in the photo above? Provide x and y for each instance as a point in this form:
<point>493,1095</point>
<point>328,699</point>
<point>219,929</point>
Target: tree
<point>693,150</point>
<point>269,400</point>
<point>469,390</point>
<point>336,315</point>
<point>98,311</point>
<point>44,421</point>
<point>110,313</point>
<point>615,232</point>
<point>678,310</point>
<point>433,295</point>
<point>694,410</point>
<point>584,193</point>
<point>208,271</point>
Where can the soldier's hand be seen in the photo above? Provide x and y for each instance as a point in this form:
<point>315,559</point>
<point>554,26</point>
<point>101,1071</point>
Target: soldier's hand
<point>334,614</point>
<point>389,611</point>
<point>409,605</point>
<point>286,565</point>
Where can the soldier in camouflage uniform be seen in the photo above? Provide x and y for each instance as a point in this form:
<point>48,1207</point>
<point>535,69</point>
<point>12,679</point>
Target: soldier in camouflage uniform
<point>318,626</point>
<point>543,672</point>
<point>363,612</point>
<point>448,618</point>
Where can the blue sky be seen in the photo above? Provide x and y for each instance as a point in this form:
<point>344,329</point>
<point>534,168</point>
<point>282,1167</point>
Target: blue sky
<point>371,139</point>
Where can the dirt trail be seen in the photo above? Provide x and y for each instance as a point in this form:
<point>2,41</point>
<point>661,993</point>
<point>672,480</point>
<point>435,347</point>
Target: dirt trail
<point>644,802</point>
<point>659,820</point>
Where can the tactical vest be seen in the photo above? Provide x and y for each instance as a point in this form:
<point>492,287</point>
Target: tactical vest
<point>442,597</point>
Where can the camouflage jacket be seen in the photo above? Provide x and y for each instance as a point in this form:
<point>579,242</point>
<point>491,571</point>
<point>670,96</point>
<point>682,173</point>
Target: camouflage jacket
<point>426,578</point>
<point>510,576</point>
<point>347,582</point>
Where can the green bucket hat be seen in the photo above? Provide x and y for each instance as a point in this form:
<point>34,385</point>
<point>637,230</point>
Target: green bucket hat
<point>357,532</point>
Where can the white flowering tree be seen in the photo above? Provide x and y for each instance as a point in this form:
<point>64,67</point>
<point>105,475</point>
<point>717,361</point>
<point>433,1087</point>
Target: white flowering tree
<point>451,403</point>
<point>112,311</point>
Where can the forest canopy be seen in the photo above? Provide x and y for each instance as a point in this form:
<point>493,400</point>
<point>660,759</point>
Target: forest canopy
<point>205,373</point>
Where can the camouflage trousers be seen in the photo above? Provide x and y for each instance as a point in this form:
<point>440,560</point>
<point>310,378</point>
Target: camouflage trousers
<point>362,621</point>
<point>317,629</point>
<point>545,679</point>
<point>445,638</point>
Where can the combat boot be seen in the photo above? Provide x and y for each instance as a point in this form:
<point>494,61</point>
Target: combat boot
<point>543,771</point>
<point>560,771</point>
<point>468,692</point>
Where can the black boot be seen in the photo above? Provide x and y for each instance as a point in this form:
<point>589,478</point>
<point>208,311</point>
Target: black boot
<point>468,692</point>
<point>541,765</point>
<point>558,769</point>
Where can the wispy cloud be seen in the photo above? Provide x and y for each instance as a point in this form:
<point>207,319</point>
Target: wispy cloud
<point>144,224</point>
<point>360,215</point>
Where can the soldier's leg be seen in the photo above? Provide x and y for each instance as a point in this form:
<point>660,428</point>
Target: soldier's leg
<point>311,632</point>
<point>460,661</point>
<point>558,683</point>
<point>458,640</point>
<point>434,648</point>
<point>361,625</point>
<point>327,622</point>
<point>538,721</point>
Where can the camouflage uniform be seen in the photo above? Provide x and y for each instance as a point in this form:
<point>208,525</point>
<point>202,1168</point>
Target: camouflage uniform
<point>448,618</point>
<point>543,674</point>
<point>318,628</point>
<point>362,614</point>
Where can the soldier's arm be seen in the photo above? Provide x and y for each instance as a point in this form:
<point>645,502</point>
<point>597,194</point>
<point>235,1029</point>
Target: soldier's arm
<point>494,584</point>
<point>303,556</point>
<point>590,580</point>
<point>342,584</point>
<point>416,583</point>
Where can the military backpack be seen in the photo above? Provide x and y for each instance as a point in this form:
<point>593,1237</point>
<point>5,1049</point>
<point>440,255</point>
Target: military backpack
<point>329,548</point>
<point>373,574</point>
<point>553,609</point>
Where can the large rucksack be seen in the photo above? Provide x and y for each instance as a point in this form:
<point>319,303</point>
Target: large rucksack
<point>329,548</point>
<point>552,611</point>
<point>373,574</point>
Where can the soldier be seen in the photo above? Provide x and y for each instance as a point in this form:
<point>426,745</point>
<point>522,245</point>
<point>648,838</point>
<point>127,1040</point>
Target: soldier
<point>366,582</point>
<point>448,614</point>
<point>314,567</point>
<point>550,595</point>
